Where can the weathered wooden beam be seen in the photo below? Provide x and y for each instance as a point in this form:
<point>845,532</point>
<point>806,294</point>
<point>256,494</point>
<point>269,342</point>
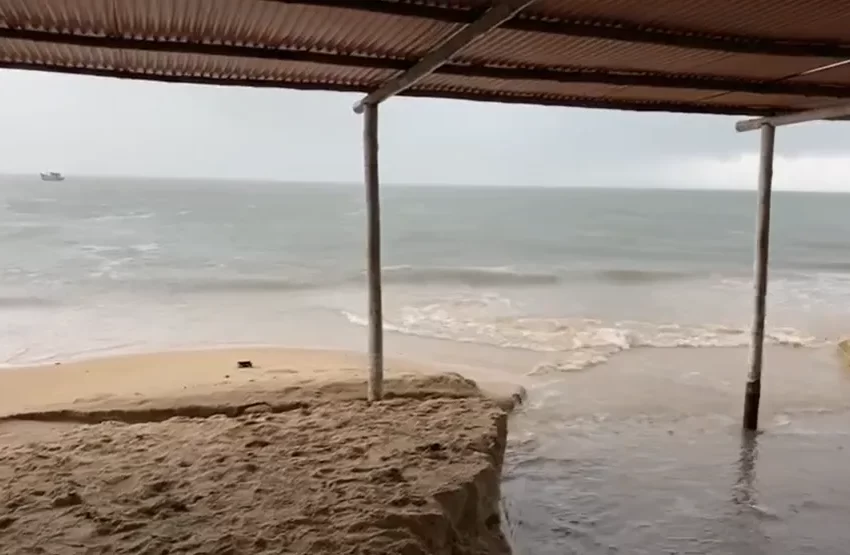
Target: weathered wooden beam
<point>373,253</point>
<point>492,18</point>
<point>753,110</point>
<point>594,27</point>
<point>187,78</point>
<point>656,79</point>
<point>832,113</point>
<point>752,395</point>
<point>174,46</point>
<point>591,75</point>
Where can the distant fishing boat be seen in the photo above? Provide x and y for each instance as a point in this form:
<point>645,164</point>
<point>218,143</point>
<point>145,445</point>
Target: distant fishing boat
<point>52,176</point>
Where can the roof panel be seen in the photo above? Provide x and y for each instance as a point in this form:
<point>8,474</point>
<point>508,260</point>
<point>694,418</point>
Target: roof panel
<point>583,94</point>
<point>505,87</point>
<point>778,100</point>
<point>553,90</point>
<point>798,19</point>
<point>128,64</point>
<point>240,22</point>
<point>359,45</point>
<point>519,48</point>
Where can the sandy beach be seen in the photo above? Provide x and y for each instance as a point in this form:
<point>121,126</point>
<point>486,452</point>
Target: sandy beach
<point>185,452</point>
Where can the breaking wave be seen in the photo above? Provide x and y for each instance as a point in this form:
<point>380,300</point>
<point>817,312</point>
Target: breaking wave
<point>14,302</point>
<point>475,276</point>
<point>131,259</point>
<point>472,276</point>
<point>582,342</point>
<point>837,266</point>
<point>233,285</point>
<point>626,277</point>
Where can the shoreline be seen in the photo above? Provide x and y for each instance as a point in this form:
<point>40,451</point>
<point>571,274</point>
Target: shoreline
<point>168,449</point>
<point>171,374</point>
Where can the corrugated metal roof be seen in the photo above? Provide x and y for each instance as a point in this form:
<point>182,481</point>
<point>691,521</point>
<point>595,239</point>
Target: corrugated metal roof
<point>712,56</point>
<point>130,63</point>
<point>797,19</point>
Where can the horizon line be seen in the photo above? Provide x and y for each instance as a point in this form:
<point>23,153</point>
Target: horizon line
<point>420,184</point>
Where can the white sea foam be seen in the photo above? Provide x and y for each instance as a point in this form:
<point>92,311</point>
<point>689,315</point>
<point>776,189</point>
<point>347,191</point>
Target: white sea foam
<point>146,247</point>
<point>123,217</point>
<point>465,275</point>
<point>582,342</point>
<point>98,249</point>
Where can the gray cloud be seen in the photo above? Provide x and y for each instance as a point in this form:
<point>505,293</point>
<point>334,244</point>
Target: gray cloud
<point>102,126</point>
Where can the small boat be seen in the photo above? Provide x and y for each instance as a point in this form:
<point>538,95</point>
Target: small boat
<point>52,176</point>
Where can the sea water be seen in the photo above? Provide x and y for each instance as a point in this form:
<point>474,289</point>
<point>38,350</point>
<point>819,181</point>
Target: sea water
<point>624,312</point>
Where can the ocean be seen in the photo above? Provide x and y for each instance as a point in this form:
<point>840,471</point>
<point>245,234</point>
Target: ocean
<point>625,313</point>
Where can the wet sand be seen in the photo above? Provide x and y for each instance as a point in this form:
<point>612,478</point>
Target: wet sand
<point>186,453</point>
<point>137,378</point>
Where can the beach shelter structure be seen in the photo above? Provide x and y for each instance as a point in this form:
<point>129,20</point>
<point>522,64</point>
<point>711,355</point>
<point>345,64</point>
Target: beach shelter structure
<point>778,61</point>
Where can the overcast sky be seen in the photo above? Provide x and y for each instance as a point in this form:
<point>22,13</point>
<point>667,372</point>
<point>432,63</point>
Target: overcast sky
<point>85,125</point>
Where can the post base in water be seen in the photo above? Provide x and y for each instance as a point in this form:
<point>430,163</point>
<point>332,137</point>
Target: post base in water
<point>751,405</point>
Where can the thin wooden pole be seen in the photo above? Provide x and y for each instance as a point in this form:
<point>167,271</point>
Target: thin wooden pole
<point>373,253</point>
<point>753,389</point>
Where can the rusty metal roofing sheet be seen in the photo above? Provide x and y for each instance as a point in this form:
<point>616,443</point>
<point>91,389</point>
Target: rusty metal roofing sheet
<point>128,64</point>
<point>587,94</point>
<point>359,45</point>
<point>798,19</point>
<point>746,99</point>
<point>519,48</point>
<point>554,90</point>
<point>238,22</point>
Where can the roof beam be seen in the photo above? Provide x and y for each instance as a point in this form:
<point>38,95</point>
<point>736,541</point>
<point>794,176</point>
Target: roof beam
<point>173,46</point>
<point>181,78</point>
<point>500,97</point>
<point>590,27</point>
<point>819,114</point>
<point>588,75</point>
<point>497,14</point>
<point>636,78</point>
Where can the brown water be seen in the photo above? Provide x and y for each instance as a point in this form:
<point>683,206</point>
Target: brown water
<point>647,457</point>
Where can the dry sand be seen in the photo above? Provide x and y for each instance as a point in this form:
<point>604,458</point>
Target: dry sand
<point>185,453</point>
<point>122,379</point>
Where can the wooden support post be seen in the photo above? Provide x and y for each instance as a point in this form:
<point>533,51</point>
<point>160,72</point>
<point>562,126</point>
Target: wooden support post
<point>373,252</point>
<point>840,112</point>
<point>753,389</point>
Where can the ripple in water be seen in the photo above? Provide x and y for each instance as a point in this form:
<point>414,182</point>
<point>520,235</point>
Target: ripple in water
<point>678,487</point>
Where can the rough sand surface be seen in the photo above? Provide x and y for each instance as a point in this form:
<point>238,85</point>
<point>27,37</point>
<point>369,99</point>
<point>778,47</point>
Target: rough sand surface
<point>308,467</point>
